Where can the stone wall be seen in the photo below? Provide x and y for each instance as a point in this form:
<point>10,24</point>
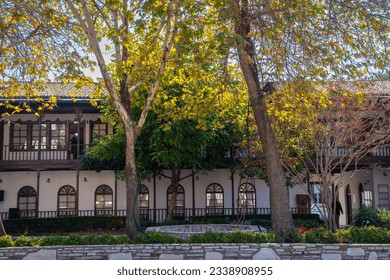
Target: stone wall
<point>270,251</point>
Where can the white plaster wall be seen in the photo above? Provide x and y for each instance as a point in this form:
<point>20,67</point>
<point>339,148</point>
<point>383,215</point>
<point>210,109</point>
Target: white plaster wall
<point>93,180</point>
<point>11,183</point>
<point>48,194</point>
<point>204,179</point>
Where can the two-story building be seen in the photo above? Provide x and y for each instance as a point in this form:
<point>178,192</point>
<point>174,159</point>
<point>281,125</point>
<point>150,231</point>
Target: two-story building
<point>40,173</point>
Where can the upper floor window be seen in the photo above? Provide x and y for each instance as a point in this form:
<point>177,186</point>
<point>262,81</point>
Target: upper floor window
<point>34,136</point>
<point>98,129</point>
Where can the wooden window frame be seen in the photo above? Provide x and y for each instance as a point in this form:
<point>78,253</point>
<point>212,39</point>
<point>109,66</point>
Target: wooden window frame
<point>212,189</point>
<point>29,193</point>
<point>105,191</point>
<point>70,192</point>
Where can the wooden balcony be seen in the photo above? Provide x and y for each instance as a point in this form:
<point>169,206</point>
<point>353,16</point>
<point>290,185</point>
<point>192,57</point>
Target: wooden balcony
<point>66,157</point>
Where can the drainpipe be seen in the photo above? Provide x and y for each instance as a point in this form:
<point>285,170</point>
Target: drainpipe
<point>193,196</point>
<point>38,193</point>
<point>232,176</point>
<point>154,199</point>
<point>77,189</point>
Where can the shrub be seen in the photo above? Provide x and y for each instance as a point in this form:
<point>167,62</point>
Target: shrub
<point>123,239</point>
<point>320,235</point>
<point>6,241</point>
<point>52,240</point>
<point>364,214</point>
<point>291,236</point>
<point>63,224</point>
<point>155,237</point>
<point>369,234</point>
<point>23,241</point>
<point>384,218</point>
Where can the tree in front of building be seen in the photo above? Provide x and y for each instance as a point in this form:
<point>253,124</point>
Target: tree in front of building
<point>354,124</point>
<point>286,41</point>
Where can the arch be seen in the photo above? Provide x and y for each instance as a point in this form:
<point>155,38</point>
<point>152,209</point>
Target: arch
<point>348,204</point>
<point>27,201</point>
<point>66,203</point>
<point>143,201</point>
<point>214,199</point>
<point>103,200</point>
<point>180,200</point>
<point>247,197</point>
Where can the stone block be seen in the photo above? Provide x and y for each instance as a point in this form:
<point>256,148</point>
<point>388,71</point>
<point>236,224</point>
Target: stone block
<point>120,256</point>
<point>42,255</point>
<point>355,252</point>
<point>213,256</point>
<point>266,254</point>
<point>373,256</point>
<point>171,257</point>
<point>330,256</point>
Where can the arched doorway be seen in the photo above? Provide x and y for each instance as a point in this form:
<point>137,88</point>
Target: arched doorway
<point>348,204</point>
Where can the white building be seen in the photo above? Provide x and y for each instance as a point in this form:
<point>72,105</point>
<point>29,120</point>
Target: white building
<point>40,174</point>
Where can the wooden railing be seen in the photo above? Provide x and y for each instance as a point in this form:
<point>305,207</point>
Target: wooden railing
<point>66,152</point>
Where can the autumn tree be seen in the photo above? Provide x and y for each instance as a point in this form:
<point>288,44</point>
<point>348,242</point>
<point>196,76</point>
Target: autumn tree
<point>353,125</point>
<point>279,41</point>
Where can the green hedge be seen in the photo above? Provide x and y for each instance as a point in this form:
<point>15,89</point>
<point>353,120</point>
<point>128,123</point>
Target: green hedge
<point>356,235</point>
<point>63,224</point>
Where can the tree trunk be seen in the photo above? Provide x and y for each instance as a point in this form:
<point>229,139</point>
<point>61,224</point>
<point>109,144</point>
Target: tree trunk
<point>281,216</point>
<point>2,229</point>
<point>132,224</point>
<point>175,179</point>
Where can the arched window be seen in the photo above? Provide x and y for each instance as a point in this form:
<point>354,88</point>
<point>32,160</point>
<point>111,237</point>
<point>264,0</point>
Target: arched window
<point>179,203</point>
<point>214,199</point>
<point>67,201</point>
<point>247,197</point>
<point>103,200</point>
<point>27,202</point>
<point>361,195</point>
<point>143,201</point>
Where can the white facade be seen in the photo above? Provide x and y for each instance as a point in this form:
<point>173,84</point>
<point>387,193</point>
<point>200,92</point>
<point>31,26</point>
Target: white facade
<point>47,180</point>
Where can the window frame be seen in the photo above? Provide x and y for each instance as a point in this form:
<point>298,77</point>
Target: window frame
<point>177,210</point>
<point>45,145</point>
<point>143,210</point>
<point>29,193</point>
<point>70,192</point>
<point>105,191</point>
<point>243,190</point>
<point>214,189</point>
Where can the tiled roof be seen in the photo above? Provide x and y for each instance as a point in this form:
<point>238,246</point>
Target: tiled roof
<point>59,90</point>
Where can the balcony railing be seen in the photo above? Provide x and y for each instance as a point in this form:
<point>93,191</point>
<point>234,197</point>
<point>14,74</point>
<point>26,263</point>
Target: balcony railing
<point>377,152</point>
<point>154,215</point>
<point>66,152</point>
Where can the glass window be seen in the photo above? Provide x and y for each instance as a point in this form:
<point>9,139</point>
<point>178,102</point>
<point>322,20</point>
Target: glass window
<point>67,201</point>
<point>143,201</point>
<point>180,199</point>
<point>247,197</point>
<point>214,199</point>
<point>98,129</point>
<point>103,200</point>
<point>19,136</point>
<point>57,136</point>
<point>27,202</point>
<point>35,136</point>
